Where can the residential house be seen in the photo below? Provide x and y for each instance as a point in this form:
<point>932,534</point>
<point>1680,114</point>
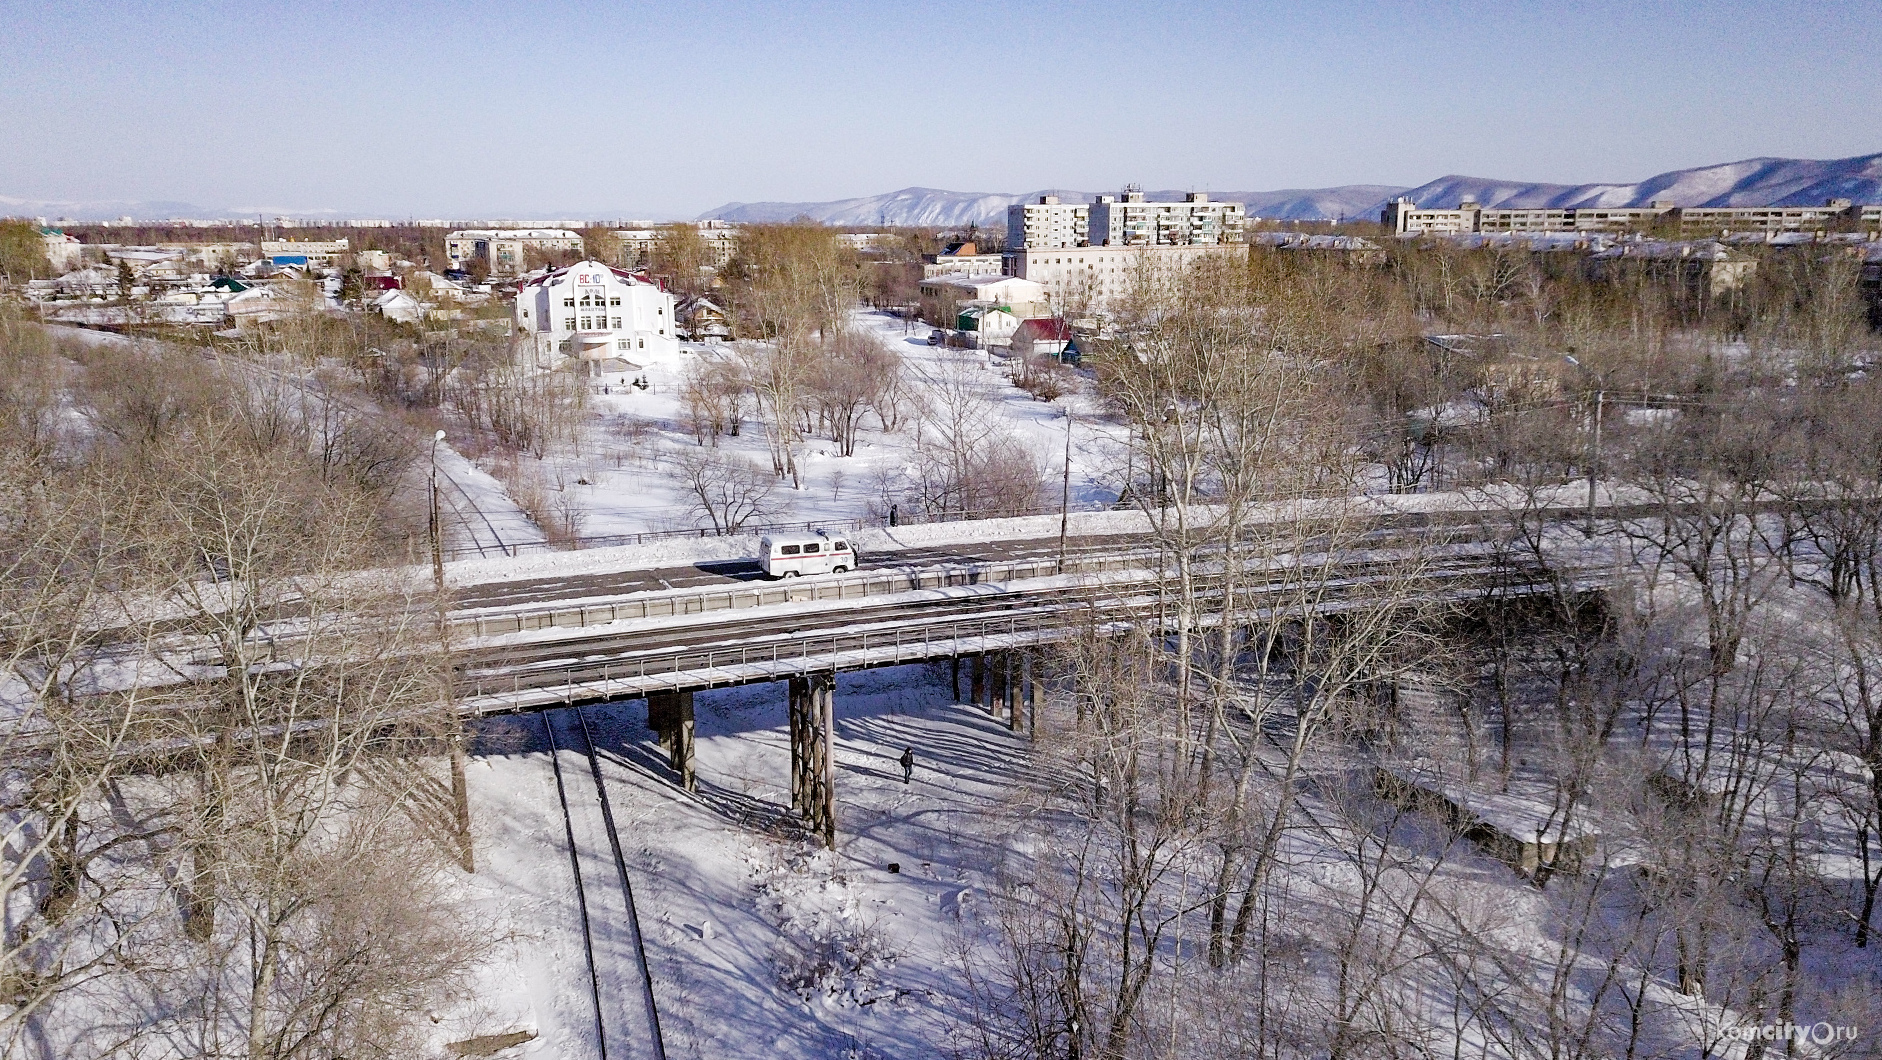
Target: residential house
<point>702,320</point>
<point>963,258</point>
<point>1042,337</point>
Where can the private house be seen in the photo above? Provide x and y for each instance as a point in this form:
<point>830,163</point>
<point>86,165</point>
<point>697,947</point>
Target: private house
<point>595,313</point>
<point>702,320</point>
<point>396,305</point>
<point>987,326</point>
<point>1042,337</point>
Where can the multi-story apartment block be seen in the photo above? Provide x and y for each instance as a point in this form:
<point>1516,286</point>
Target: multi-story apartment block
<point>505,248</point>
<point>1081,279</point>
<point>1123,220</point>
<point>1404,217</point>
<point>719,237</point>
<point>1047,223</point>
<point>1131,222</point>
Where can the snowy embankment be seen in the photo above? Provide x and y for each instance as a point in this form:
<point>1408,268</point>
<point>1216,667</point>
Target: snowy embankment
<point>760,942</point>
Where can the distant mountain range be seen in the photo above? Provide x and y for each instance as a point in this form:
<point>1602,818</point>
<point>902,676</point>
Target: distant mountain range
<point>957,209</point>
<point>1753,182</point>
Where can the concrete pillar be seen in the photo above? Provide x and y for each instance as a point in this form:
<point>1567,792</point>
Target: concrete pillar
<point>800,743</point>
<point>670,715</point>
<point>954,673</point>
<point>977,681</point>
<point>1034,673</point>
<point>826,793</point>
<point>1012,679</point>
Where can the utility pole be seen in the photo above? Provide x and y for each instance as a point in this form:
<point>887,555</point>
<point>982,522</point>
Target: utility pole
<point>1594,462</point>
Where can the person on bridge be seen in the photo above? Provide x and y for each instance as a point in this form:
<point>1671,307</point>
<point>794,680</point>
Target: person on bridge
<point>908,764</point>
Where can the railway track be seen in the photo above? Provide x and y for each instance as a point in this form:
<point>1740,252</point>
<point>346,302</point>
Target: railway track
<point>627,1021</point>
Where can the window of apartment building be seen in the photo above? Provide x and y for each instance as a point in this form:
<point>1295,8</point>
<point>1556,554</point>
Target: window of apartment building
<point>568,323</point>
<point>621,345</point>
<point>587,323</point>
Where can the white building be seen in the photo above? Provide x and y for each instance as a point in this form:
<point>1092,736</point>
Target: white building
<point>1046,223</point>
<point>942,297</point>
<point>1089,278</point>
<point>63,252</point>
<point>595,312</point>
<point>504,249</point>
<point>1131,221</point>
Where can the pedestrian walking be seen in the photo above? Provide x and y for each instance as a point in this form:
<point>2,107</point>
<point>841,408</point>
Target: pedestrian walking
<point>908,764</point>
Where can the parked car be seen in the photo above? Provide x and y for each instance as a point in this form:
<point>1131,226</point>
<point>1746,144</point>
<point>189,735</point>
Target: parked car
<point>789,555</point>
<point>937,337</point>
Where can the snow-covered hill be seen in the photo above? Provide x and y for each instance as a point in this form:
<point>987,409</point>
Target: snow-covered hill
<point>932,206</point>
<point>1752,182</point>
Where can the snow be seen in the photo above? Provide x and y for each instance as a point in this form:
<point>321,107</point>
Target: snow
<point>616,478</point>
<point>761,943</point>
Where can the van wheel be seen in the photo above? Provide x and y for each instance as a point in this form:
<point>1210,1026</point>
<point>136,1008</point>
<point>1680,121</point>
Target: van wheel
<point>789,574</point>
<point>839,570</point>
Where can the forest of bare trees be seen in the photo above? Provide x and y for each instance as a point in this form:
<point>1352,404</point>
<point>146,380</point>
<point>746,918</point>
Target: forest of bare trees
<point>1272,823</point>
<point>212,846</point>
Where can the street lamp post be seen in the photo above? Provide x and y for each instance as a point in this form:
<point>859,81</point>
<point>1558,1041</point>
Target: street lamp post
<point>435,529</point>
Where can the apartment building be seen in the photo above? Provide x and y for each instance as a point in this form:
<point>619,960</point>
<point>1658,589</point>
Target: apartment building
<point>720,239</point>
<point>1129,221</point>
<point>504,249</point>
<point>1047,223</point>
<point>1083,279</point>
<point>1405,217</point>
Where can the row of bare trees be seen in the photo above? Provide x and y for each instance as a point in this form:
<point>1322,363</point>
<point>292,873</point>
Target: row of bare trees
<point>224,832</point>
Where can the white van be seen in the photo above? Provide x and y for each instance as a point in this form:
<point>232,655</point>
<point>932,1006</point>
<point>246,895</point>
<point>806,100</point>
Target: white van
<point>788,555</point>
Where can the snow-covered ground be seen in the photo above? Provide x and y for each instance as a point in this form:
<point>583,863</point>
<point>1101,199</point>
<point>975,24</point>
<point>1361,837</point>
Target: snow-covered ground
<point>761,943</point>
<point>618,473</point>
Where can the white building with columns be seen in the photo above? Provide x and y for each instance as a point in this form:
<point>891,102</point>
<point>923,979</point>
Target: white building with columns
<point>595,312</point>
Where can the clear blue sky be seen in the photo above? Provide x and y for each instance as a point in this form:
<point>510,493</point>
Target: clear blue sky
<point>607,109</point>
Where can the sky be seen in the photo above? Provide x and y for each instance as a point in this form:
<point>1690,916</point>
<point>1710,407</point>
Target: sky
<point>610,110</point>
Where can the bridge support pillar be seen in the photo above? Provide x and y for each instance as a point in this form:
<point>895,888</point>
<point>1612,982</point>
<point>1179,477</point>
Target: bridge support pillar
<point>670,715</point>
<point>800,741</point>
<point>954,673</point>
<point>1033,675</point>
<point>977,682</point>
<point>813,752</point>
<point>1011,677</point>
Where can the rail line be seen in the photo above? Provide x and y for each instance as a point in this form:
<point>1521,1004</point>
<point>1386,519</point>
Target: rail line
<point>649,1032</point>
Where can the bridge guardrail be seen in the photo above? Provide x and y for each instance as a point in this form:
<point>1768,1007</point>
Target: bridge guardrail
<point>789,591</point>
